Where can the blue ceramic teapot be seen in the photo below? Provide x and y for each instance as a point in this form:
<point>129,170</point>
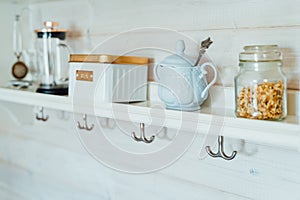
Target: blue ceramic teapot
<point>182,86</point>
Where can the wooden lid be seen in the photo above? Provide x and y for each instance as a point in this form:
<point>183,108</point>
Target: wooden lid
<point>102,58</point>
<point>49,27</point>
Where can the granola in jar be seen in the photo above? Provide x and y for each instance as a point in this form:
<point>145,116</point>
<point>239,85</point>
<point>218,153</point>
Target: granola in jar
<point>260,86</point>
<point>264,101</point>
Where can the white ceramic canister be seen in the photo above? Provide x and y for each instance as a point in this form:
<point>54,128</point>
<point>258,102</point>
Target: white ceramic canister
<point>107,78</point>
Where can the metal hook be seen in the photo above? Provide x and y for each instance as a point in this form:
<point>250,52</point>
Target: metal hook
<point>42,117</point>
<point>220,152</point>
<point>142,138</point>
<point>85,125</point>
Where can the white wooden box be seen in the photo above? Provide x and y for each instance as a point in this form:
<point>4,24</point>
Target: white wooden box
<point>106,78</point>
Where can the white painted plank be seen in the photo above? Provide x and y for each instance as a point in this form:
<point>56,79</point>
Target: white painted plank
<point>57,170</point>
<point>6,53</point>
<point>285,133</point>
<point>224,51</point>
<point>52,171</point>
<point>272,22</point>
<point>273,177</point>
<point>115,16</point>
<point>56,173</point>
<point>36,99</point>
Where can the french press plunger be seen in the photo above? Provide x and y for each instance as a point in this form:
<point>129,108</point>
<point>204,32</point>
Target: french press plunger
<point>52,56</point>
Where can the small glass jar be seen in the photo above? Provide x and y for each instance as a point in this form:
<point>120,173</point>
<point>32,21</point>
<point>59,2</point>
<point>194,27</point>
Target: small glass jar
<point>260,86</point>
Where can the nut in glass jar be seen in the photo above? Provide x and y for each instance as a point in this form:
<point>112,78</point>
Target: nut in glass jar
<point>260,86</point>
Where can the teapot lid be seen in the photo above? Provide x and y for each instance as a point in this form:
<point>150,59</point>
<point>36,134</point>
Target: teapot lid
<point>178,59</point>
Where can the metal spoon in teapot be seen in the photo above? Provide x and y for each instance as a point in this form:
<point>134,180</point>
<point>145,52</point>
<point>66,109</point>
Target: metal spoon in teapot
<point>204,45</point>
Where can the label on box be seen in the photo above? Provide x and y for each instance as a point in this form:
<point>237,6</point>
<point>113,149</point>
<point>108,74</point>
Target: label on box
<point>84,75</point>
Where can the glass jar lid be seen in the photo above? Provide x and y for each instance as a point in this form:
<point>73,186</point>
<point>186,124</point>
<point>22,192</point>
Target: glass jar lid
<point>260,53</point>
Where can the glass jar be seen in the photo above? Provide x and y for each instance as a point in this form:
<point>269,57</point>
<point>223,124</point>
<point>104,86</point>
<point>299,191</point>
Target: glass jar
<point>260,86</point>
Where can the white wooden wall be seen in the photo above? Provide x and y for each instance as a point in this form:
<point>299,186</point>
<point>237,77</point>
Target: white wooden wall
<point>47,161</point>
<point>231,25</point>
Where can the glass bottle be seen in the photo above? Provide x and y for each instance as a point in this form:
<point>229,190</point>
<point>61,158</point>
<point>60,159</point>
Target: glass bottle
<point>260,86</point>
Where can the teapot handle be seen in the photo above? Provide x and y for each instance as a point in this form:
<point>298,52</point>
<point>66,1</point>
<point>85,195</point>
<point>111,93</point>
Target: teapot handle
<point>155,73</point>
<point>202,68</point>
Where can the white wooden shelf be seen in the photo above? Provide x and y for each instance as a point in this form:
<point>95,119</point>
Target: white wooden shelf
<point>35,99</point>
<point>284,133</point>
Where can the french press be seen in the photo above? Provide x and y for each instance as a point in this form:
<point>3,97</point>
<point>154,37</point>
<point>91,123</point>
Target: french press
<point>52,55</point>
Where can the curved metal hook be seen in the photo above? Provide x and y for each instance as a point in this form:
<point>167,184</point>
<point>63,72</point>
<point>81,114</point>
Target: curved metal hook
<point>142,138</point>
<point>42,117</point>
<point>85,125</point>
<point>220,153</point>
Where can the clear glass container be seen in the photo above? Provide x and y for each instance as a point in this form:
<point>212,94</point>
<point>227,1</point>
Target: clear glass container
<point>52,56</point>
<point>260,86</point>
